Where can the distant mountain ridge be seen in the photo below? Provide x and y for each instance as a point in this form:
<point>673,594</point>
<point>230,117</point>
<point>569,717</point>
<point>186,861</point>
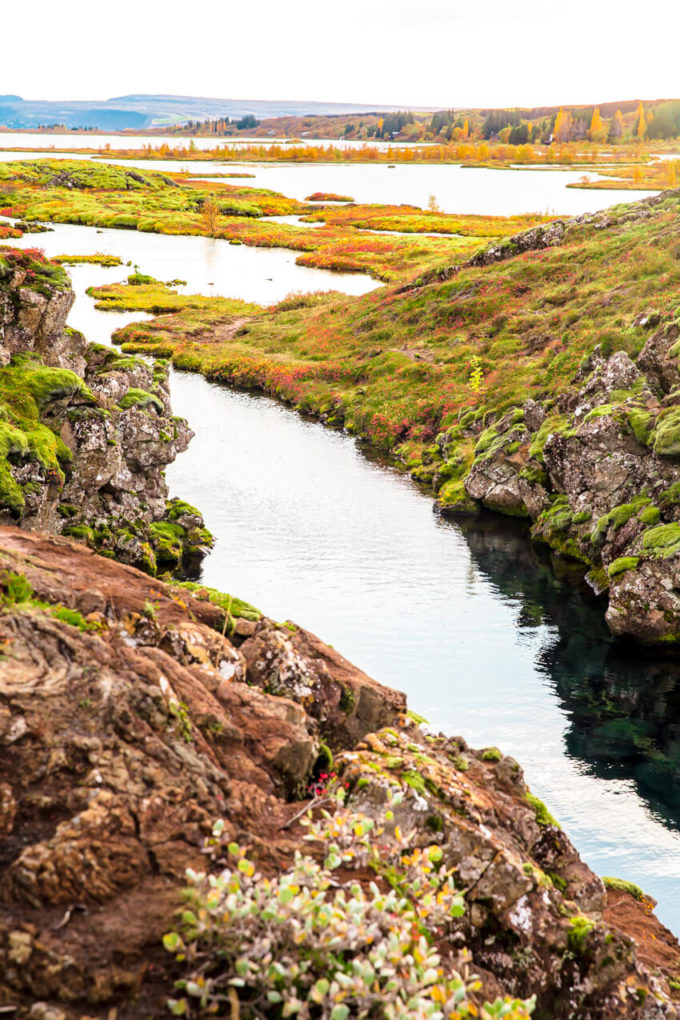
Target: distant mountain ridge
<point>139,111</point>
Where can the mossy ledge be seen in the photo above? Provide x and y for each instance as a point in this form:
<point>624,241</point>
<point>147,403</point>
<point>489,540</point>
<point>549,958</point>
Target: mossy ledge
<point>85,432</point>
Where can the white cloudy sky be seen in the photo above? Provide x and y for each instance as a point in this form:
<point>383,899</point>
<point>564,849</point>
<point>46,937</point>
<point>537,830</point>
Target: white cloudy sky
<point>403,52</point>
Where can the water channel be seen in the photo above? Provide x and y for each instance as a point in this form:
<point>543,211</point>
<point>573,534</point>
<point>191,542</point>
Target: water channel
<point>486,638</point>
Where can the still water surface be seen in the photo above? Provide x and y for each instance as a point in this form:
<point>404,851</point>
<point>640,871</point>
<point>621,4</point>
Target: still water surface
<point>456,189</point>
<point>480,632</point>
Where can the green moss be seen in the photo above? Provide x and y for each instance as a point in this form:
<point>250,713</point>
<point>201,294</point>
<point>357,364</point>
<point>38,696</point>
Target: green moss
<point>491,754</point>
<point>230,604</point>
<point>650,515</point>
<point>580,928</point>
<point>141,399</point>
<point>558,516</point>
<point>18,592</point>
<point>419,719</point>
<point>82,532</point>
<point>416,781</point>
<point>553,425</point>
<point>557,880</point>
<point>617,517</point>
<point>324,760</point>
<point>176,508</point>
<point>67,510</point>
<point>534,473</point>
<point>74,619</point>
<point>347,698</point>
<point>671,496</point>
<point>641,423</point>
<point>662,541</point>
<point>543,816</point>
<point>666,435</point>
<point>27,390</point>
<point>621,565</point>
<point>167,540</point>
<point>17,588</point>
<point>453,497</point>
<point>621,885</point>
<point>486,439</point>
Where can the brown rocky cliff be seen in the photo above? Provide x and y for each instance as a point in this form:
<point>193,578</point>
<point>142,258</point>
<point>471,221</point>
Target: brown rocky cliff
<point>122,742</point>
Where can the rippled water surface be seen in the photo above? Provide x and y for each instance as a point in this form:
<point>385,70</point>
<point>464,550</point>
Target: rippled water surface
<point>485,637</point>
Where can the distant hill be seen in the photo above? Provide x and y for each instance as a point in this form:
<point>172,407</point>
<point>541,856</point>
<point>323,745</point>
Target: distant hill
<point>135,112</point>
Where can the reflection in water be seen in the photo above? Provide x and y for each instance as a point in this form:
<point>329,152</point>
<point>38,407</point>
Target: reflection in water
<point>623,704</point>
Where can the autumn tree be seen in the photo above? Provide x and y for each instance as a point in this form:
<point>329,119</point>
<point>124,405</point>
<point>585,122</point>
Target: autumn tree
<point>640,129</point>
<point>564,126</point>
<point>209,214</point>
<point>670,174</point>
<point>598,129</point>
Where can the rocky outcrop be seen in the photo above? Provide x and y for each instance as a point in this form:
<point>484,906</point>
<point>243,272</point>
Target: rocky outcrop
<point>130,720</point>
<point>597,471</point>
<point>87,432</point>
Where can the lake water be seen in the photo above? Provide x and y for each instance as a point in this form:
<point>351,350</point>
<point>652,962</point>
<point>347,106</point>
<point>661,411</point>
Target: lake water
<point>485,637</point>
<point>209,265</point>
<point>456,189</point>
<point>29,139</point>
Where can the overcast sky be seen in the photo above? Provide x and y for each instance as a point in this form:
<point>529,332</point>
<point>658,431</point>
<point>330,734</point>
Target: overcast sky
<point>444,53</point>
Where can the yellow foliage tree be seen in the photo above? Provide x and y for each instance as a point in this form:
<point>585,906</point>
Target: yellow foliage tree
<point>466,130</point>
<point>564,124</point>
<point>640,122</point>
<point>598,129</point>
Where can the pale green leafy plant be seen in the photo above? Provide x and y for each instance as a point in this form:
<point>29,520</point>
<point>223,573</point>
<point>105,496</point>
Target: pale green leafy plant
<point>311,945</point>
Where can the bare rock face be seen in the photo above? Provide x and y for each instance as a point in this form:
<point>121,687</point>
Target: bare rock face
<point>292,662</point>
<point>130,722</point>
<point>35,299</point>
<point>107,423</point>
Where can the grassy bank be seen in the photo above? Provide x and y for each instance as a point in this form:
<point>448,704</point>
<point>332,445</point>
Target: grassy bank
<point>400,365</point>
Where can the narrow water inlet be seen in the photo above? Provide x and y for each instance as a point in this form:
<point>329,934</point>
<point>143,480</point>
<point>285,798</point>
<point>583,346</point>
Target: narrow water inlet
<point>484,637</point>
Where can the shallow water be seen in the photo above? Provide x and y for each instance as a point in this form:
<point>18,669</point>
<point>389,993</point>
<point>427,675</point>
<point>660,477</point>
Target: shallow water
<point>483,635</point>
<point>207,264</point>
